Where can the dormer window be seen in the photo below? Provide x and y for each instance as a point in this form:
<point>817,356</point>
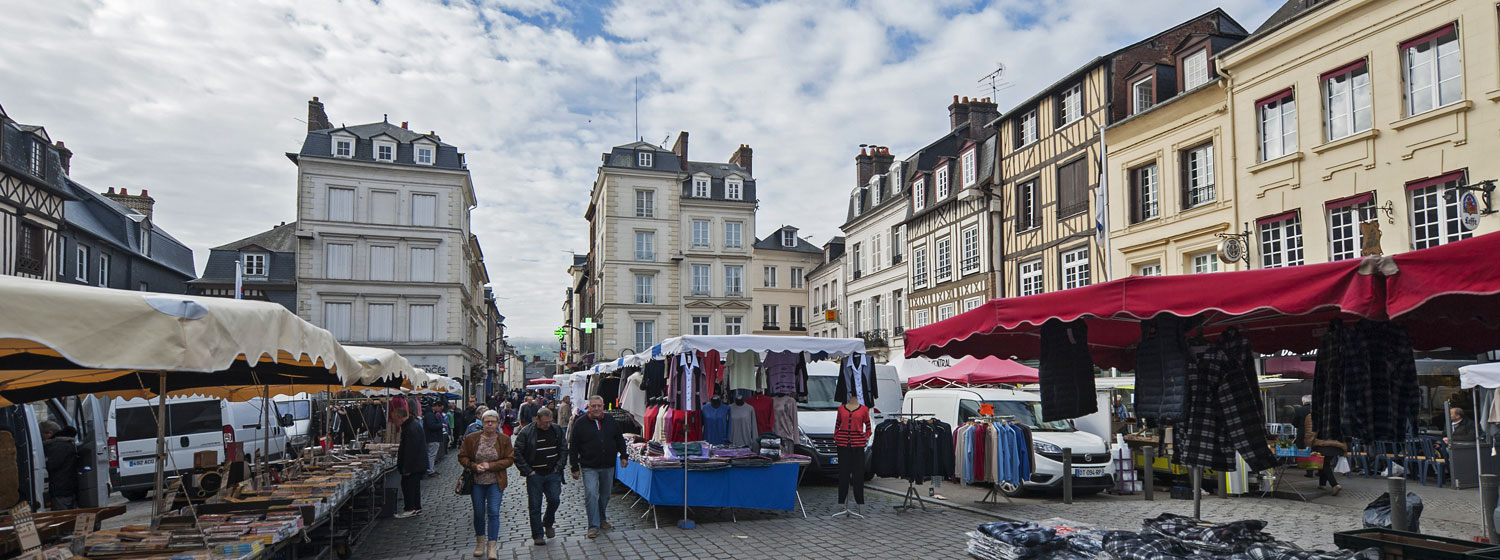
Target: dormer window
<point>1142,95</point>
<point>255,264</point>
<point>940,181</point>
<point>424,154</point>
<point>145,238</point>
<point>700,187</point>
<point>1195,70</point>
<point>788,238</point>
<point>918,195</point>
<point>733,188</point>
<point>36,158</point>
<point>385,150</point>
<point>970,169</point>
<point>343,146</point>
<point>643,159</point>
<point>875,191</point>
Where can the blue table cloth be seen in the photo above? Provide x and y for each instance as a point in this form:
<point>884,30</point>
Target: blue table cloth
<point>770,487</point>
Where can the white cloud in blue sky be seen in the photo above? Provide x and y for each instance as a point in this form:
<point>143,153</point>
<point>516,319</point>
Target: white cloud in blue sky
<point>198,101</point>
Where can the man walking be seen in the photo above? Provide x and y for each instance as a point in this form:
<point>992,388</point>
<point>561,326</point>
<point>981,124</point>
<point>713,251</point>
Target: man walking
<point>411,461</point>
<point>592,446</point>
<point>432,424</point>
<point>528,411</point>
<point>541,454</point>
<point>565,413</point>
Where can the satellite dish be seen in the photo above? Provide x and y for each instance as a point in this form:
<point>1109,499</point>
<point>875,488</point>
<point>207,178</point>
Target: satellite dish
<point>1232,249</point>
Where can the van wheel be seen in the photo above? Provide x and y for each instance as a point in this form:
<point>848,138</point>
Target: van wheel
<point>134,495</point>
<point>1017,492</point>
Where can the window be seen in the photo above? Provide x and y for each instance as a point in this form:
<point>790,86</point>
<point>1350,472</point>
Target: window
<point>343,147</point>
<point>381,316</point>
<point>896,311</point>
<point>700,325</point>
<point>797,282</point>
<point>1075,268</point>
<point>768,316</point>
<point>942,260</point>
<point>385,151</point>
<point>918,195</point>
<point>700,233</point>
<point>1346,99</point>
<point>788,238</point>
<point>339,259</point>
<point>1144,194</point>
<point>81,264</point>
<point>1070,105</point>
<point>423,263</point>
<point>733,238</point>
<point>382,263</point>
<point>858,321</point>
<point>645,203</point>
<point>940,182</point>
<point>423,209</point>
<point>255,264</point>
<point>920,318</point>
<point>1198,176</point>
<point>1026,129</point>
<point>1073,187</point>
<point>336,320</point>
<point>896,247</point>
<point>31,250</point>
<point>859,201</point>
<point>946,311</point>
<point>969,168</point>
<point>700,187</point>
<point>1195,70</point>
<point>875,191</point>
<point>38,157</point>
<point>420,325</point>
<point>858,261</point>
<point>383,207</point>
<point>1205,262</point>
<point>769,277</point>
<point>1344,218</point>
<point>833,295</point>
<point>341,205</point>
<point>424,155</point>
<point>60,254</point>
<point>1143,95</point>
<point>643,159</point>
<point>145,238</point>
<point>1433,70</point>
<point>1434,215</point>
<point>1281,241</point>
<point>798,318</point>
<point>1026,205</point>
<point>733,287</point>
<point>733,189</point>
<point>103,271</point>
<point>973,303</point>
<point>919,267</point>
<point>876,252</point>
<point>645,246</point>
<point>969,247</point>
<point>734,325</point>
<point>645,289</point>
<point>700,279</point>
<point>1031,277</point>
<point>817,298</point>
<point>1278,125</point>
<point>1148,269</point>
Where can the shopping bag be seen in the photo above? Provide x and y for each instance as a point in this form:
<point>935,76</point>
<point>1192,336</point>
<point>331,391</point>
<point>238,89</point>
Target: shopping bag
<point>465,484</point>
<point>1343,466</point>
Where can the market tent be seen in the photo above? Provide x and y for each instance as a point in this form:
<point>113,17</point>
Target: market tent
<point>540,381</point>
<point>1479,375</point>
<point>1279,308</point>
<point>972,371</point>
<point>1445,295</point>
<point>759,343</point>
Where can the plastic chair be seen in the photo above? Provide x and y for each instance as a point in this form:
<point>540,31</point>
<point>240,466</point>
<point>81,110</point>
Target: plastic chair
<point>1412,457</point>
<point>1435,460</point>
<point>1359,458</point>
<point>1386,454</point>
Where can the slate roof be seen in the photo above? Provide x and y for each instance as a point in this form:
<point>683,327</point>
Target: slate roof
<point>718,173</point>
<point>16,140</point>
<point>282,238</point>
<point>625,156</point>
<point>773,243</point>
<point>1289,11</point>
<point>110,222</point>
<point>281,262</point>
<point>319,143</point>
<point>836,246</point>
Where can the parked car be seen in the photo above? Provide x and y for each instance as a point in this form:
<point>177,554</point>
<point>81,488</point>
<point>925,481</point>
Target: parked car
<point>1091,464</point>
<point>816,417</point>
<point>193,424</point>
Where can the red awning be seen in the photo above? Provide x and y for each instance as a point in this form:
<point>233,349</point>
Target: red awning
<point>541,381</point>
<point>972,371</point>
<point>1290,367</point>
<point>1445,295</point>
<point>1279,309</point>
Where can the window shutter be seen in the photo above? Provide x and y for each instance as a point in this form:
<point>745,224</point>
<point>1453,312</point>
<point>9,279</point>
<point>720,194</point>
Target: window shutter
<point>423,209</point>
<point>422,264</point>
<point>383,207</point>
<point>382,263</point>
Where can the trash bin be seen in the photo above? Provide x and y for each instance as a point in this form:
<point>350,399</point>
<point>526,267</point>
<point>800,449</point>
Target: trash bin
<point>1378,512</point>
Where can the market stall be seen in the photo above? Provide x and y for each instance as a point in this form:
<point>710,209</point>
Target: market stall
<point>971,371</point>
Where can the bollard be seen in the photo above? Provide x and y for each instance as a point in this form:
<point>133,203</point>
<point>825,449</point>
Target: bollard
<point>1224,484</point>
<point>1489,486</point>
<point>1396,486</point>
<point>1197,474</point>
<point>1148,474</point>
<point>1067,473</point>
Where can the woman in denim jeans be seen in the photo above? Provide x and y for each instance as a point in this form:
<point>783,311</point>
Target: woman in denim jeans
<point>487,454</point>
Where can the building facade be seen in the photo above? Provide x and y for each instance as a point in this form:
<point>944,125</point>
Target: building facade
<point>33,188</point>
<point>824,294</point>
<point>875,273</point>
<point>779,293</point>
<point>270,267</point>
<point>384,252</point>
<point>669,243</point>
<point>111,239</point>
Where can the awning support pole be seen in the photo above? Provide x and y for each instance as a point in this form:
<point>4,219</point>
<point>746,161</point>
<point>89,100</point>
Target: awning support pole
<point>157,507</point>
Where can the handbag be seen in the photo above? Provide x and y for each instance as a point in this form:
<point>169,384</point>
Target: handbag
<point>465,484</point>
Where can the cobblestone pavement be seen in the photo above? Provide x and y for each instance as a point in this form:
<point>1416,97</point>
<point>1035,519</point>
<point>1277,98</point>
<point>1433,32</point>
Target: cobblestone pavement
<point>445,529</point>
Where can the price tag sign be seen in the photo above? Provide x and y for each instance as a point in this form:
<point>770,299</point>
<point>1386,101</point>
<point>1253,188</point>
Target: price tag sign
<point>25,527</point>
<point>83,525</point>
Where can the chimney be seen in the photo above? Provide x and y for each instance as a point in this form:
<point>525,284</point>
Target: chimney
<point>316,118</point>
<point>142,203</point>
<point>864,168</point>
<point>981,113</point>
<point>66,155</point>
<point>680,148</point>
<point>882,160</point>
<point>403,125</point>
<point>958,113</point>
<point>742,158</point>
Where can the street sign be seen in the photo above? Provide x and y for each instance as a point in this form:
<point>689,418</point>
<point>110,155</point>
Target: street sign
<point>1468,210</point>
<point>589,325</point>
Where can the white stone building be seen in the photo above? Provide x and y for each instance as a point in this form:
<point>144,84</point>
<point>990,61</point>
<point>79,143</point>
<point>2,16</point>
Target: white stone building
<point>824,295</point>
<point>874,269</point>
<point>780,264</point>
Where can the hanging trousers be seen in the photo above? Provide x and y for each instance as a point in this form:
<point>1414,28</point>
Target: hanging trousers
<point>852,472</point>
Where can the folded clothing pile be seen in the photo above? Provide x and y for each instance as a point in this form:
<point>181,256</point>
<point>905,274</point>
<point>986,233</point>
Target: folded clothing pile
<point>1003,540</point>
<point>1175,537</point>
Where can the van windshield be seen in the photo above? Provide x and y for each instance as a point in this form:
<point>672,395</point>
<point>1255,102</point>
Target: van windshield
<point>1025,412</point>
<point>820,391</point>
<point>300,410</point>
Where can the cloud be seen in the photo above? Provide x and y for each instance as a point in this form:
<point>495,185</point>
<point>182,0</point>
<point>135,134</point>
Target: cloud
<point>198,101</point>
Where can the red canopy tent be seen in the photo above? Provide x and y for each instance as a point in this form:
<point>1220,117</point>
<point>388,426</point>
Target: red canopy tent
<point>1445,295</point>
<point>972,371</point>
<point>541,381</point>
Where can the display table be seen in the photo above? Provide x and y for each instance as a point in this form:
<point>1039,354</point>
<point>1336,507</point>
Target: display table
<point>770,487</point>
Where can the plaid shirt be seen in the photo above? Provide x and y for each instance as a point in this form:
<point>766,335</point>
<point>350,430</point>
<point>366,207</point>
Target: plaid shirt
<point>1365,383</point>
<point>1225,413</point>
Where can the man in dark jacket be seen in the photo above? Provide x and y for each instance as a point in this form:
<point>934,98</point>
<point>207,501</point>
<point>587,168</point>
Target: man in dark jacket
<point>62,466</point>
<point>593,443</point>
<point>432,424</point>
<point>528,411</point>
<point>411,462</point>
<point>541,455</point>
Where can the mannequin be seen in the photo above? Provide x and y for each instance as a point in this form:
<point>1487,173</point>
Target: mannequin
<point>716,421</point>
<point>742,428</point>
<point>851,433</point>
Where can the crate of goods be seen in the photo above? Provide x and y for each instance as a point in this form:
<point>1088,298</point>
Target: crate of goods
<point>1403,545</point>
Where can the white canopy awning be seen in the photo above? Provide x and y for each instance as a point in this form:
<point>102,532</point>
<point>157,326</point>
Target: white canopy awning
<point>1479,375</point>
<point>382,363</point>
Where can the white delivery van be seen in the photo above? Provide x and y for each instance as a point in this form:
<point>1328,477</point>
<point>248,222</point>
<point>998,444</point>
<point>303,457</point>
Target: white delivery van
<point>299,434</point>
<point>815,418</point>
<point>1091,472</point>
<point>31,464</point>
<point>193,424</point>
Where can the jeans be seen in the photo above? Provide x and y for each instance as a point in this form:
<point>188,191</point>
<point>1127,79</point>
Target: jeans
<point>852,472</point>
<point>486,498</point>
<point>540,486</point>
<point>432,456</point>
<point>411,490</point>
<point>597,486</point>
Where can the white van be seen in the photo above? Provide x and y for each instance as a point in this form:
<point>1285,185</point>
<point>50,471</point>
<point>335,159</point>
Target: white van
<point>1091,464</point>
<point>816,417</point>
<point>193,424</point>
<point>299,434</point>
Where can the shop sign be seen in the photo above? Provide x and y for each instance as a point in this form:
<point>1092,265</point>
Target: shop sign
<point>1468,210</point>
<point>831,315</point>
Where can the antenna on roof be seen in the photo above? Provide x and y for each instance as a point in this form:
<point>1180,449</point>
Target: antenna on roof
<point>635,94</point>
<point>995,80</point>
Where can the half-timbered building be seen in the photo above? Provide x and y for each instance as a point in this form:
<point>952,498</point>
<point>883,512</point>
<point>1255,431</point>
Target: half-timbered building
<point>33,187</point>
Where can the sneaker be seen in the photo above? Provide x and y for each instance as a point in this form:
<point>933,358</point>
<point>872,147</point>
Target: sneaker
<point>408,514</point>
<point>593,533</point>
<point>1336,490</point>
<point>539,541</point>
<point>550,532</point>
<point>605,525</point>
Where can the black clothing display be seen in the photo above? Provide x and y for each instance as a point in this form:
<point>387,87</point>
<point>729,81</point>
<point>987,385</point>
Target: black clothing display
<point>1225,413</point>
<point>654,380</point>
<point>1067,371</point>
<point>915,450</point>
<point>1365,382</point>
<point>857,378</point>
<point>1161,363</point>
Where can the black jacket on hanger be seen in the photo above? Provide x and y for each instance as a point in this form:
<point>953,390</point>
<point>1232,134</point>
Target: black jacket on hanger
<point>1161,364</point>
<point>863,366</point>
<point>1067,371</point>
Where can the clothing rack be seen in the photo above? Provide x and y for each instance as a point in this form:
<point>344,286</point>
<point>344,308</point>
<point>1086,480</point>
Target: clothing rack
<point>995,489</point>
<point>911,487</point>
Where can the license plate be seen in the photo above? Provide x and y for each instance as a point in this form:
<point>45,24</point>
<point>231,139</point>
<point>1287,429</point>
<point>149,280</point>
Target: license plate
<point>1088,473</point>
<point>141,462</point>
<point>833,461</point>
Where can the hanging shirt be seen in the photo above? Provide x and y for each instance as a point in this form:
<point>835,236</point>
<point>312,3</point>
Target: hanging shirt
<point>742,425</point>
<point>764,418</point>
<point>785,411</point>
<point>633,398</point>
<point>740,367</point>
<point>648,421</point>
<point>654,380</point>
<point>857,379</point>
<point>786,373</point>
<point>716,423</point>
<point>713,370</point>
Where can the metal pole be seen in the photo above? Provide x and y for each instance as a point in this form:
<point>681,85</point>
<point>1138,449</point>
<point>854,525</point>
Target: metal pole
<point>1067,474</point>
<point>1396,487</point>
<point>1197,474</point>
<point>1148,475</point>
<point>1489,487</point>
<point>161,446</point>
<point>265,433</point>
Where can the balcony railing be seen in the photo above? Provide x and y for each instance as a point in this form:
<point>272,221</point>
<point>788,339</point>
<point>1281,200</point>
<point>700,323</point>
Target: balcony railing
<point>896,259</point>
<point>858,273</point>
<point>875,337</point>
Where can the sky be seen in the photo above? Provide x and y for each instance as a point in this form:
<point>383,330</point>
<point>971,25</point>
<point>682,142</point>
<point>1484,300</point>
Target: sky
<point>199,101</point>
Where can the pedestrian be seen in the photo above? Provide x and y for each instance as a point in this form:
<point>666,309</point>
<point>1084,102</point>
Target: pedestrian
<point>411,461</point>
<point>541,455</point>
<point>507,414</point>
<point>592,448</point>
<point>528,411</point>
<point>432,424</point>
<point>478,423</point>
<point>565,414</point>
<point>487,454</point>
<point>1331,450</point>
<point>62,466</point>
